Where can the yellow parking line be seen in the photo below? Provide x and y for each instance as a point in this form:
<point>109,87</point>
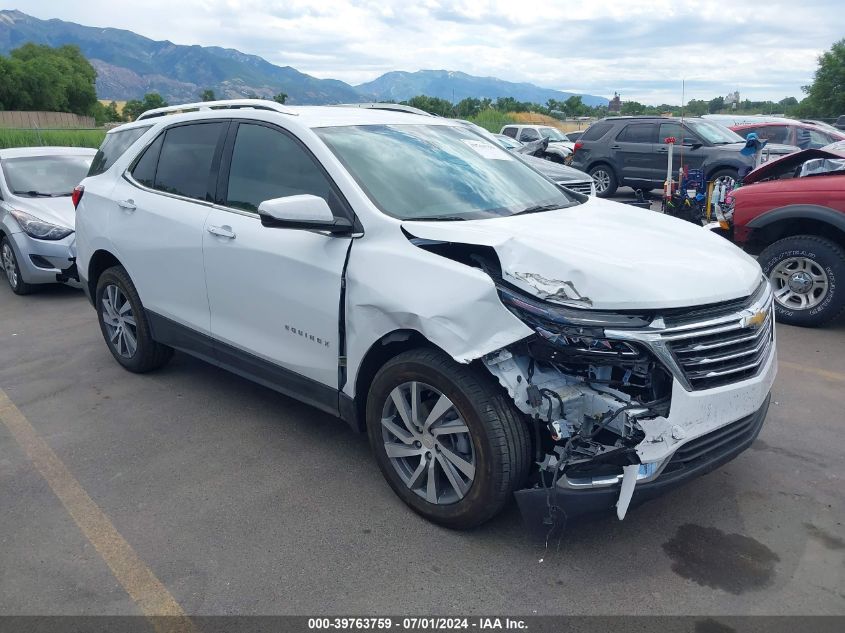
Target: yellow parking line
<point>823,373</point>
<point>137,579</point>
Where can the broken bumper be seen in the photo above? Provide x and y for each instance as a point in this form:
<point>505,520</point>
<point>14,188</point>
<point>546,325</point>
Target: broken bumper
<point>548,508</point>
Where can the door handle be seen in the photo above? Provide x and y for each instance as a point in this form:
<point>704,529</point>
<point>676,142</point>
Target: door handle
<point>222,231</point>
<point>128,205</point>
<point>615,147</point>
<point>663,150</point>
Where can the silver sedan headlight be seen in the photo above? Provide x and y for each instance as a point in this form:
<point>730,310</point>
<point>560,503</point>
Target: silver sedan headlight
<point>40,229</point>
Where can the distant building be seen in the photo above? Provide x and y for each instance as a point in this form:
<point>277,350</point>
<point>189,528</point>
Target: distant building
<point>732,99</point>
<point>615,104</point>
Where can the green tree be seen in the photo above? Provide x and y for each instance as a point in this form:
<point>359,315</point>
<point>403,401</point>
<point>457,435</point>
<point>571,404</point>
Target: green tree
<point>468,108</point>
<point>280,98</point>
<point>208,95</point>
<point>714,105</point>
<point>432,105</point>
<point>36,77</point>
<point>135,108</point>
<point>632,108</point>
<point>106,114</point>
<point>826,95</point>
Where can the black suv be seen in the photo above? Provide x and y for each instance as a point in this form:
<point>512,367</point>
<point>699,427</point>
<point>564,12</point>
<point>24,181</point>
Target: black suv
<point>630,150</point>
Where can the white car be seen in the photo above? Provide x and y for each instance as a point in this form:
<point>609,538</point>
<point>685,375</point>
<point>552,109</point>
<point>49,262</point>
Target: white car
<point>36,213</point>
<point>492,332</point>
<point>560,147</point>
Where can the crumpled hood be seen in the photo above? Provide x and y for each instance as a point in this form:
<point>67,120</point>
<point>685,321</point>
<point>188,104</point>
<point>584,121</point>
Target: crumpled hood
<point>58,211</point>
<point>607,255</point>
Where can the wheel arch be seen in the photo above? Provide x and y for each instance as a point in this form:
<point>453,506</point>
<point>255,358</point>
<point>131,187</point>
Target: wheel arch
<point>788,221</point>
<point>100,261</point>
<point>380,352</point>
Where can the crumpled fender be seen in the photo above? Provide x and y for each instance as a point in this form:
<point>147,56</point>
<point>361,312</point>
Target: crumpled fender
<point>393,285</point>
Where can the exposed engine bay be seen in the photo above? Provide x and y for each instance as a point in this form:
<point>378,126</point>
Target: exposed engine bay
<point>586,395</point>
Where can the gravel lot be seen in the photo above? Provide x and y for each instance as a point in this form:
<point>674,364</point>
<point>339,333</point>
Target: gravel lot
<point>240,500</point>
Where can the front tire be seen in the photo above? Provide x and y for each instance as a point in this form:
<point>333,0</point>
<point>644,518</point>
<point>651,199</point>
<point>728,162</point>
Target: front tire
<point>124,324</point>
<point>605,180</point>
<point>12,269</point>
<point>804,270</point>
<point>447,439</point>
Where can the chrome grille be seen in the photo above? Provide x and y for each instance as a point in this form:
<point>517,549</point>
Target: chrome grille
<point>585,187</point>
<point>714,355</point>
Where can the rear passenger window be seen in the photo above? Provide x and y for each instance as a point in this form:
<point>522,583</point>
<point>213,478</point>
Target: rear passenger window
<point>638,133</point>
<point>113,147</point>
<point>145,169</point>
<point>596,131</point>
<point>184,163</point>
<point>268,164</point>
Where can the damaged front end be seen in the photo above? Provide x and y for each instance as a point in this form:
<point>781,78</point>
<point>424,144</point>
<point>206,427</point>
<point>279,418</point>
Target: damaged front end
<point>618,400</point>
<point>585,394</point>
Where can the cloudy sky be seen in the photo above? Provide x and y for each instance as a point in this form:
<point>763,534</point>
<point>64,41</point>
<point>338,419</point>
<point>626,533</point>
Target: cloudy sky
<point>767,49</point>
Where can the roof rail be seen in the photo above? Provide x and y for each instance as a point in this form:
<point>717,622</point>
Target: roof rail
<point>234,104</point>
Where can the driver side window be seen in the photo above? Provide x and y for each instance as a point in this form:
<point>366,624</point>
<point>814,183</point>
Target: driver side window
<point>529,135</point>
<point>267,163</point>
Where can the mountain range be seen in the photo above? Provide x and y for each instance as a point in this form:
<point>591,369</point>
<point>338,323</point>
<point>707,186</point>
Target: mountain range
<point>129,65</point>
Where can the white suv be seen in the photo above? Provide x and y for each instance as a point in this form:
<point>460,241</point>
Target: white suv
<point>492,332</point>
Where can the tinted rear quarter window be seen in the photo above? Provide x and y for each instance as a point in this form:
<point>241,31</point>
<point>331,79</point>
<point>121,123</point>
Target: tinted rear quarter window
<point>596,131</point>
<point>113,147</point>
<point>184,164</point>
<point>145,169</point>
<point>509,131</point>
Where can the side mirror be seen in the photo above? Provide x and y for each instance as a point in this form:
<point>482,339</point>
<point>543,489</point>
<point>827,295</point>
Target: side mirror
<point>302,212</point>
<point>693,142</point>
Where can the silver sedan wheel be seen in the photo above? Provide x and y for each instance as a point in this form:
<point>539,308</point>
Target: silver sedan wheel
<point>428,443</point>
<point>799,283</point>
<point>602,179</point>
<point>119,320</point>
<point>9,265</point>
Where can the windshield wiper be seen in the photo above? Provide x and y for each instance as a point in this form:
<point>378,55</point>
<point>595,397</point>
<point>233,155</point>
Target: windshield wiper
<point>39,194</point>
<point>438,218</point>
<point>538,208</point>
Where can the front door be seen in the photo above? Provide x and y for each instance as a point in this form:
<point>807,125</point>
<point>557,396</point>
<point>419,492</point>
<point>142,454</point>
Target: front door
<point>274,293</point>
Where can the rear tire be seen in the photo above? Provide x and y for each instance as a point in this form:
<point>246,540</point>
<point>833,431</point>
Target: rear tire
<point>13,270</point>
<point>605,179</point>
<point>124,324</point>
<point>727,175</point>
<point>478,427</point>
<point>804,270</point>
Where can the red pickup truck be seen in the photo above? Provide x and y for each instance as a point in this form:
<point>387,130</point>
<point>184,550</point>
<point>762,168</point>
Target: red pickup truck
<point>791,212</point>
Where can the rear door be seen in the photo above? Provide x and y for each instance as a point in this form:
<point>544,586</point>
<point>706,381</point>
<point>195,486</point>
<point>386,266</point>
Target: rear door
<point>275,293</point>
<point>159,220</point>
<point>636,153</point>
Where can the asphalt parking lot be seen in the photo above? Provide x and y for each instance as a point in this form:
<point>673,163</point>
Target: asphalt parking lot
<point>242,501</point>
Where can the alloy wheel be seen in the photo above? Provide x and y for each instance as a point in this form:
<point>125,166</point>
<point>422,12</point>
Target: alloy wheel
<point>428,443</point>
<point>799,283</point>
<point>119,320</point>
<point>10,265</point>
<point>602,180</point>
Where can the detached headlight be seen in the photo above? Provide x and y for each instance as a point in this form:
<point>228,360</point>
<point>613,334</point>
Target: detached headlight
<point>580,331</point>
<point>40,229</point>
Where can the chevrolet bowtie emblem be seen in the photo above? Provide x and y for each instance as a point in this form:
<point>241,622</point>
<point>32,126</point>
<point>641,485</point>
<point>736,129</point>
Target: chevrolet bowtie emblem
<point>755,320</point>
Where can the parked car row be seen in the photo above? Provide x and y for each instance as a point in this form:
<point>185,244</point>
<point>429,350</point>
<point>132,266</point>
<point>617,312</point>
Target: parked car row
<point>631,151</point>
<point>482,324</point>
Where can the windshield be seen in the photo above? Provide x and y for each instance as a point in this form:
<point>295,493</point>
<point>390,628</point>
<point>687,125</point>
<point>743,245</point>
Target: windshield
<point>439,172</point>
<point>45,175</point>
<point>714,133</point>
<point>552,134</point>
